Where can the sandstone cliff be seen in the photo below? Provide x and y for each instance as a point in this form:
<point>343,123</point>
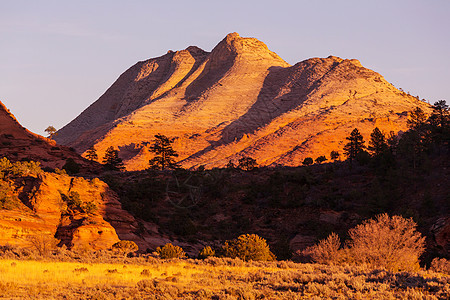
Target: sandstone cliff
<point>81,213</point>
<point>241,99</point>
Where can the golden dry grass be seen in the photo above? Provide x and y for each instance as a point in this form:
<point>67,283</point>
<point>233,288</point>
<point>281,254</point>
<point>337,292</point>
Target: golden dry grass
<point>212,279</point>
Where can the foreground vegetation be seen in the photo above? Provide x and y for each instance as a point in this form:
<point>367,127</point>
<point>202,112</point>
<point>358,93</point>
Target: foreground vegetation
<point>213,278</point>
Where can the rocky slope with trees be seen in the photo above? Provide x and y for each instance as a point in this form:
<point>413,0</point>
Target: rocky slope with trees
<point>239,100</point>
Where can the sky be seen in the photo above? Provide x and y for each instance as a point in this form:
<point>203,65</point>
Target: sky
<point>58,57</point>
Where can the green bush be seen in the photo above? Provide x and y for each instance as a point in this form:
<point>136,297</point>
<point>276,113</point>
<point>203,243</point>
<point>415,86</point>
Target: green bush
<point>170,251</point>
<point>7,198</point>
<point>74,202</point>
<point>125,246</point>
<point>248,247</point>
<point>19,168</point>
<point>206,252</point>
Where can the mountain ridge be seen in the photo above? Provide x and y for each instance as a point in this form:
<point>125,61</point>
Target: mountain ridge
<point>240,99</point>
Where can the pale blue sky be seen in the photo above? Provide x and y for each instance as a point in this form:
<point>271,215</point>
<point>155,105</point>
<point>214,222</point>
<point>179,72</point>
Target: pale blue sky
<point>57,57</point>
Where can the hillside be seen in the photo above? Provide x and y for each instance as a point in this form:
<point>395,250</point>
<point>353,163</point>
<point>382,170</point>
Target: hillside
<point>240,99</point>
<point>17,143</point>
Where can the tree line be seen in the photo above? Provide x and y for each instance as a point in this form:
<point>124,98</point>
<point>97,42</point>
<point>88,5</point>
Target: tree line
<point>425,133</point>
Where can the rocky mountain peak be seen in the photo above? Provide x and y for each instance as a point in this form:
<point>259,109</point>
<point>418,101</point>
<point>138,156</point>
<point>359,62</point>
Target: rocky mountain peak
<point>240,99</point>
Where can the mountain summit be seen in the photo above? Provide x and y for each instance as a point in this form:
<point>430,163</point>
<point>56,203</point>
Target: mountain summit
<point>240,99</point>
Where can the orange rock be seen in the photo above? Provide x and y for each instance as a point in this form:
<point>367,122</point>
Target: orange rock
<point>241,99</point>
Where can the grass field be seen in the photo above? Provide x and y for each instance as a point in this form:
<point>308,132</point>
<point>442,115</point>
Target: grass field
<point>212,279</point>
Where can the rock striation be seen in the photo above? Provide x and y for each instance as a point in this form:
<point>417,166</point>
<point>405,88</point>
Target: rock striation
<point>240,99</point>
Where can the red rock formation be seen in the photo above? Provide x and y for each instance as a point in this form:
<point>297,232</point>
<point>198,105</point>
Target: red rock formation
<point>17,143</point>
<point>44,210</point>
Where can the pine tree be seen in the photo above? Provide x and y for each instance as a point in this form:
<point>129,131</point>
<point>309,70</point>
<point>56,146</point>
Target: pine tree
<point>417,118</point>
<point>112,160</point>
<point>355,145</point>
<point>91,154</point>
<point>377,143</point>
<point>164,153</point>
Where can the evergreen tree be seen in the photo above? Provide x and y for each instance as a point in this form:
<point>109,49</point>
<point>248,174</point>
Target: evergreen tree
<point>355,145</point>
<point>91,154</point>
<point>417,118</point>
<point>112,160</point>
<point>377,143</point>
<point>440,117</point>
<point>164,153</point>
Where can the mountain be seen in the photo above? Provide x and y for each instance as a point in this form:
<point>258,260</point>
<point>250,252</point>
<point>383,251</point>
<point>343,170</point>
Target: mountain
<point>18,143</point>
<point>240,99</point>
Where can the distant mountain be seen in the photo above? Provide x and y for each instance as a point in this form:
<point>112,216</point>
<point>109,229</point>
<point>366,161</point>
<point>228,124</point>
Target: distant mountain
<point>17,143</point>
<point>240,99</point>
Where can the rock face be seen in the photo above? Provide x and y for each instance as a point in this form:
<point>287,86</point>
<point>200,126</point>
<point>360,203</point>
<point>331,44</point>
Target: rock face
<point>55,205</point>
<point>17,143</point>
<point>240,99</point>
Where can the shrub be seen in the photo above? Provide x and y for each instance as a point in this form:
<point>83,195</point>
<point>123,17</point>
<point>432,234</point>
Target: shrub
<point>326,251</point>
<point>71,166</point>
<point>321,159</point>
<point>170,251</point>
<point>247,163</point>
<point>43,244</point>
<point>248,247</point>
<point>74,202</point>
<point>125,246</point>
<point>19,168</point>
<point>7,198</point>
<point>390,242</point>
<point>308,161</point>
<point>440,265</point>
<point>206,252</point>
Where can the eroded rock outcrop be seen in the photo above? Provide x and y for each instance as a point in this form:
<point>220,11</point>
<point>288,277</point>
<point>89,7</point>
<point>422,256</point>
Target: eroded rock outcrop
<point>80,213</point>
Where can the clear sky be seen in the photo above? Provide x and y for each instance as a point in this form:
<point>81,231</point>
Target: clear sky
<point>57,57</point>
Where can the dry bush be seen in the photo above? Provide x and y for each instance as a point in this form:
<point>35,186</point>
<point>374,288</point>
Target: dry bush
<point>170,251</point>
<point>43,244</point>
<point>440,265</point>
<point>326,251</point>
<point>390,242</point>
